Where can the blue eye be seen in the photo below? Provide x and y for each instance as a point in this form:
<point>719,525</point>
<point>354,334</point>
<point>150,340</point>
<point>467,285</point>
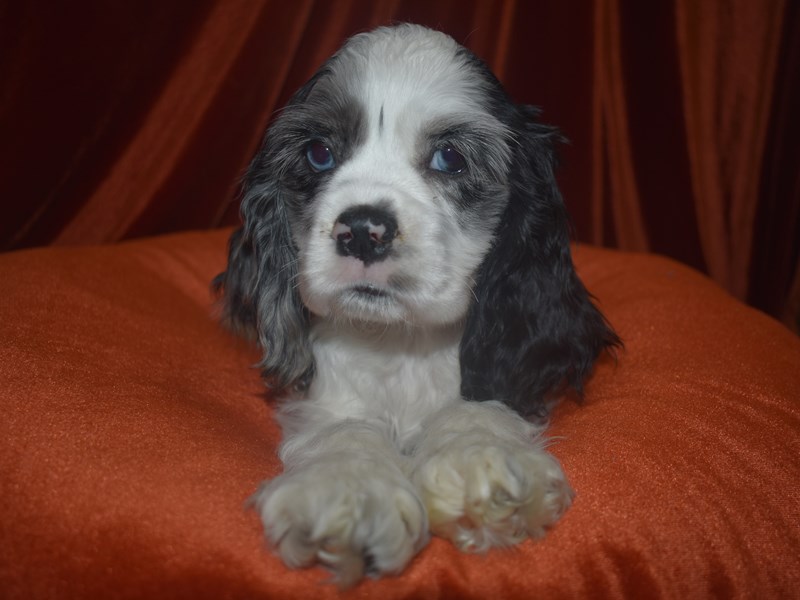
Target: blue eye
<point>448,160</point>
<point>319,156</point>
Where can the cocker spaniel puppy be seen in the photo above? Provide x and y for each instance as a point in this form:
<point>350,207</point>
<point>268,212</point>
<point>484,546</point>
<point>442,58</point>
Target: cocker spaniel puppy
<point>404,264</point>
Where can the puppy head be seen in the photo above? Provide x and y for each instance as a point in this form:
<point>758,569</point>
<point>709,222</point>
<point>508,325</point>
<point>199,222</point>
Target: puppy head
<point>396,178</point>
<point>401,186</point>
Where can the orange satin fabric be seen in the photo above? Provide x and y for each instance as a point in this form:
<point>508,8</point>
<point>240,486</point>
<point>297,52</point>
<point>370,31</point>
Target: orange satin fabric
<point>121,120</point>
<point>134,429</point>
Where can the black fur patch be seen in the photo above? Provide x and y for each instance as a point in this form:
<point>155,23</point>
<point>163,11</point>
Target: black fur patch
<point>533,329</point>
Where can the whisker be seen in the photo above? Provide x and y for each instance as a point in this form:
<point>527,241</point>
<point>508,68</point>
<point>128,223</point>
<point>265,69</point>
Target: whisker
<point>472,288</point>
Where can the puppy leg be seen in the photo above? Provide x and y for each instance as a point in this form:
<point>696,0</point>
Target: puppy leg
<point>485,477</point>
<point>343,502</point>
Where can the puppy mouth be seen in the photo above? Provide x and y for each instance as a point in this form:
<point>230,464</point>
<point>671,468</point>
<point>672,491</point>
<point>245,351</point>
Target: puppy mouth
<point>367,291</point>
<point>370,303</point>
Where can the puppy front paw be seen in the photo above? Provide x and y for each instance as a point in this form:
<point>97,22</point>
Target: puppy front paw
<point>480,496</point>
<point>354,518</point>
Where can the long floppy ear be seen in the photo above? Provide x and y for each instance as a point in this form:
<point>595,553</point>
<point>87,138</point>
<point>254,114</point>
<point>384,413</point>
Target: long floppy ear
<point>260,298</point>
<point>259,287</point>
<point>532,329</point>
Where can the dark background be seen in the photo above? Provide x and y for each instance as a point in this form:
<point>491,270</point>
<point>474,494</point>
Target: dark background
<point>123,119</point>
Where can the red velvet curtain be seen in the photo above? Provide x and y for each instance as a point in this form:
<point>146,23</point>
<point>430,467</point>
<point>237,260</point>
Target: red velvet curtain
<point>121,119</point>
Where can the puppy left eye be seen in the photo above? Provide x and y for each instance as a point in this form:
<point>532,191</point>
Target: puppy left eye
<point>448,160</point>
<point>319,156</point>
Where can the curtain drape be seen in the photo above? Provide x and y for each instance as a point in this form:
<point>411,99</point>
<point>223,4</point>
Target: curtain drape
<point>123,119</point>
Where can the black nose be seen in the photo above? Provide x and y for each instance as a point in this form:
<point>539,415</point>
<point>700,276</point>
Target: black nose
<point>365,233</point>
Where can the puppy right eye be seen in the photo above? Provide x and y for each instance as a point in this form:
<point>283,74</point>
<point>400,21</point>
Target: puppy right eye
<point>319,156</point>
<point>448,160</point>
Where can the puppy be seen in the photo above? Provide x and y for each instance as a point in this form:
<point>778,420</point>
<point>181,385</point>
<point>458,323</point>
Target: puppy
<point>404,263</point>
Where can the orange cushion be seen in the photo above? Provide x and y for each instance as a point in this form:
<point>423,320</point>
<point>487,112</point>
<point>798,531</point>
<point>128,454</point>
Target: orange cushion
<point>133,429</point>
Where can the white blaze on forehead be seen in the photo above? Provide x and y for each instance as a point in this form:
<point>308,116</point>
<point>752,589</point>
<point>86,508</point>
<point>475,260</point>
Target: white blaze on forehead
<point>409,72</point>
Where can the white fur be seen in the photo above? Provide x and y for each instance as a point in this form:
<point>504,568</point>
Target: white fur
<point>382,441</point>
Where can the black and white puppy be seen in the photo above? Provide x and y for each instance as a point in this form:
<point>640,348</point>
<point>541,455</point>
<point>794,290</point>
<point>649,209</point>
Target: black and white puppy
<point>404,263</point>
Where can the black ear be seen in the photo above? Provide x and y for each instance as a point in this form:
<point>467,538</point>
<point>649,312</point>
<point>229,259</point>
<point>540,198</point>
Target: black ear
<point>532,329</point>
<point>259,287</point>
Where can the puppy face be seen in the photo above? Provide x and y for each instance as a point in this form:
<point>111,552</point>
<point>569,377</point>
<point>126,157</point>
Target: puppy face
<point>397,175</point>
<point>402,186</point>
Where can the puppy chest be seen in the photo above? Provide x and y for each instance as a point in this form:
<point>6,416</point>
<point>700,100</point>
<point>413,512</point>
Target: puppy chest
<point>387,378</point>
